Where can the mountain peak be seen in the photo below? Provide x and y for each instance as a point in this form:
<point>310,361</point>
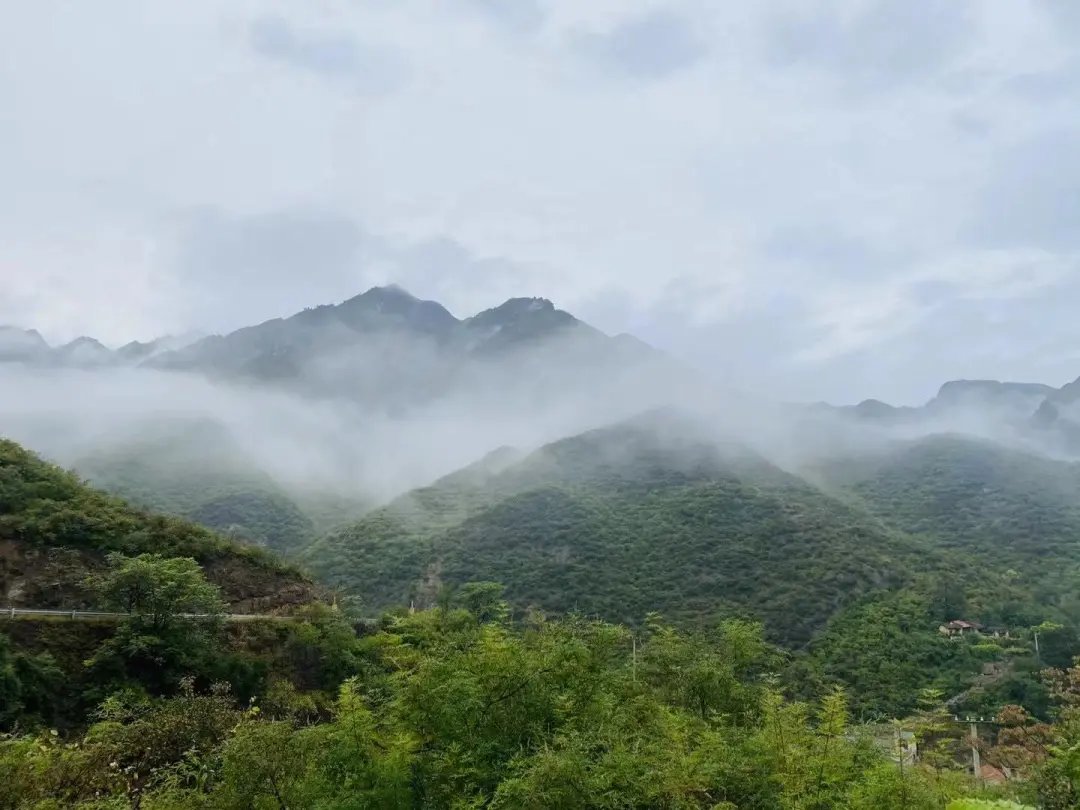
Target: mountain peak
<point>389,291</point>
<point>518,321</point>
<point>26,335</point>
<point>955,388</point>
<point>84,351</point>
<point>515,310</point>
<point>392,302</point>
<point>84,340</point>
<point>381,297</point>
<point>520,306</point>
<point>21,344</point>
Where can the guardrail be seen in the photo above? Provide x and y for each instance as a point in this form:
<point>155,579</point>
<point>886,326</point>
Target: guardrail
<point>12,613</point>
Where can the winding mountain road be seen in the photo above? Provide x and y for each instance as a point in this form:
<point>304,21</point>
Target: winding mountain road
<point>12,613</point>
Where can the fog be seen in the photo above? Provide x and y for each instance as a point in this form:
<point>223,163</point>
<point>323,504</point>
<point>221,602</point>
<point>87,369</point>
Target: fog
<point>367,425</point>
<point>349,446</point>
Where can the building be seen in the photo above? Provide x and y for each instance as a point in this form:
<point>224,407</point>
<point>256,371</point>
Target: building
<point>959,627</point>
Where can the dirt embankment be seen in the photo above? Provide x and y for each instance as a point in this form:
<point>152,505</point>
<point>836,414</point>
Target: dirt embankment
<point>56,577</point>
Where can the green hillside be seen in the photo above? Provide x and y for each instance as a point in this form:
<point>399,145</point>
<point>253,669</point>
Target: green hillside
<point>456,707</point>
<point>195,470</point>
<point>54,530</point>
<point>471,704</point>
<point>998,509</point>
<point>646,516</point>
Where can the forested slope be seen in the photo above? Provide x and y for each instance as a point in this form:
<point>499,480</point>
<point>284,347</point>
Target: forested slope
<point>997,508</point>
<point>194,469</point>
<point>650,515</point>
<point>54,530</point>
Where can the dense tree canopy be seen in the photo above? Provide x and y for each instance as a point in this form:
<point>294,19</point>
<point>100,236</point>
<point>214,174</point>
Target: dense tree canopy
<point>447,709</point>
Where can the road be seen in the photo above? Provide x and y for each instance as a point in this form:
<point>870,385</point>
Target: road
<point>103,616</point>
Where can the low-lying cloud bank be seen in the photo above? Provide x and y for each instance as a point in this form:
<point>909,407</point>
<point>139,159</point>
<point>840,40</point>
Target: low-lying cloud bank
<point>338,447</point>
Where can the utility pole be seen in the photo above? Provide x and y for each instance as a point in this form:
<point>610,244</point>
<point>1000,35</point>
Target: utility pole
<point>1038,658</point>
<point>976,763</point>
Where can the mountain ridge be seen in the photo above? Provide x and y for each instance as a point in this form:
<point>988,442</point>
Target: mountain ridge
<point>648,514</point>
<point>384,349</point>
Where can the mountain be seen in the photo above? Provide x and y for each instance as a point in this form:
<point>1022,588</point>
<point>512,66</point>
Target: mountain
<point>55,530</point>
<point>1058,418</point>
<point>18,345</point>
<point>852,562</point>
<point>956,397</point>
<point>196,469</point>
<point>1045,418</point>
<point>653,514</point>
<point>136,352</point>
<point>1001,506</point>
<point>387,349</point>
<point>85,352</point>
<point>30,348</point>
<point>1009,397</point>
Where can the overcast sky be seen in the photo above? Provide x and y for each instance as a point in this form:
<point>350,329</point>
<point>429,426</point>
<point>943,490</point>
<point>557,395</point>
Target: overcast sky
<point>824,200</point>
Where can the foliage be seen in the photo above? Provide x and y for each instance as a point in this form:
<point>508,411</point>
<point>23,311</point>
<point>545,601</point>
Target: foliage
<point>444,709</point>
<point>156,590</point>
<point>1006,510</point>
<point>620,522</point>
<point>194,469</point>
<point>27,685</point>
<point>173,621</point>
<point>43,506</point>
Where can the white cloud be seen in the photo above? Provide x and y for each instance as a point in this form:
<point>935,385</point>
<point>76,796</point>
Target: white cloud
<point>779,188</point>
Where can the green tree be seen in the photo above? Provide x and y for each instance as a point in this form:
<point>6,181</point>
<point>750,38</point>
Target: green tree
<point>157,590</point>
<point>27,685</point>
<point>174,619</point>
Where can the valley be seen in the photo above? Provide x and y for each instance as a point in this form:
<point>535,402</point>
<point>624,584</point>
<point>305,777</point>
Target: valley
<point>505,522</point>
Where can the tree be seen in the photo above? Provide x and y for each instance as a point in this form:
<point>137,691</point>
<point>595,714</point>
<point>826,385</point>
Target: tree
<point>157,590</point>
<point>1058,644</point>
<point>485,600</point>
<point>1058,779</point>
<point>173,622</point>
<point>27,684</point>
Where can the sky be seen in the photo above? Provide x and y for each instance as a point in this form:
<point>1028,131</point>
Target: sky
<point>818,200</point>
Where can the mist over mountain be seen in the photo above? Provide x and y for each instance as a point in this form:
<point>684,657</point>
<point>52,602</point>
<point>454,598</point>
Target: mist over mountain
<point>661,512</point>
<point>340,407</point>
<point>1034,415</point>
<point>323,414</point>
<point>400,453</point>
<point>529,404</point>
<point>384,350</point>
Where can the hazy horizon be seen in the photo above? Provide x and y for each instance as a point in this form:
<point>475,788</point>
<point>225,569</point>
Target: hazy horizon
<point>192,335</point>
<point>817,201</point>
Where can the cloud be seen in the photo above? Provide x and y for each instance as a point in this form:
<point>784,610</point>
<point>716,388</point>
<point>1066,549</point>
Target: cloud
<point>833,318</point>
<point>1032,198</point>
<point>653,46</point>
<point>521,16</point>
<point>236,267</point>
<point>446,270</point>
<point>1063,15</point>
<point>785,189</point>
<point>341,57</point>
<point>858,316</point>
<point>871,44</point>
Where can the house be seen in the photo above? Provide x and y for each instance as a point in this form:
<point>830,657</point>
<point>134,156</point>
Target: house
<point>959,627</point>
<point>989,775</point>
